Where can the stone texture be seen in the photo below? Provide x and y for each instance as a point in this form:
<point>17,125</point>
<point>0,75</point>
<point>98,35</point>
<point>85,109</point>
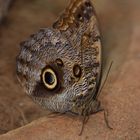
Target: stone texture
<point>121,95</point>
<point>4,4</point>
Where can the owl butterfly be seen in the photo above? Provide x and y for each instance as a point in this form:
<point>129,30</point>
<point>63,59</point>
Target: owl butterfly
<point>60,67</point>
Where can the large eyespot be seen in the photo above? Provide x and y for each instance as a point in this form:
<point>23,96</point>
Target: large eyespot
<point>77,71</point>
<point>49,78</point>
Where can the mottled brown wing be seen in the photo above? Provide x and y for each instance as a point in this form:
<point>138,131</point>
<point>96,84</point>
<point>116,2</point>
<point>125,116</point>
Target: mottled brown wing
<point>78,23</point>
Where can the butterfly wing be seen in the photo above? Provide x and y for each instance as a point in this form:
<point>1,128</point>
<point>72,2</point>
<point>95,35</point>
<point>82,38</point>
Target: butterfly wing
<point>78,23</point>
<point>76,33</point>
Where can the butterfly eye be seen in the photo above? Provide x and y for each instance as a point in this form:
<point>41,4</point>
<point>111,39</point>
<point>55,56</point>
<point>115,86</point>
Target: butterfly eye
<point>77,71</point>
<point>49,79</point>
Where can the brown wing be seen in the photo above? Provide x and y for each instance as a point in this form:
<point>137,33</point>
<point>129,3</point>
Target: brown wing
<point>78,23</point>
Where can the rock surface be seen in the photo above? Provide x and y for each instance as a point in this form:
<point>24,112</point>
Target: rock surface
<point>121,95</point>
<point>4,5</point>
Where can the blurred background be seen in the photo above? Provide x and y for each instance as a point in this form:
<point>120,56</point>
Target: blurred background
<point>19,18</point>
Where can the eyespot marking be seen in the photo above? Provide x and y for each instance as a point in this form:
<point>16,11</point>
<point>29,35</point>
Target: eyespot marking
<point>88,4</point>
<point>49,79</point>
<point>59,62</point>
<point>77,71</point>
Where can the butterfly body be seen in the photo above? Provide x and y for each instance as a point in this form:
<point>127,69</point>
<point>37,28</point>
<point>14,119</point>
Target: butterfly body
<point>60,67</point>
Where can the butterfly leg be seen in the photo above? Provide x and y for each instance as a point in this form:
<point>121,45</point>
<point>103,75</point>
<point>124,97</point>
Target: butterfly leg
<point>97,108</point>
<point>85,120</point>
<point>88,111</point>
<point>106,118</point>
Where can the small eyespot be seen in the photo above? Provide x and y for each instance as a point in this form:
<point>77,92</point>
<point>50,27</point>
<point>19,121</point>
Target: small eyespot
<point>79,17</point>
<point>87,4</point>
<point>59,62</point>
<point>49,78</point>
<point>77,71</point>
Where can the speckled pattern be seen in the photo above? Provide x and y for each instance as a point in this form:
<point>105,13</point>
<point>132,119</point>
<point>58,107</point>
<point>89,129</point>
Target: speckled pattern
<point>75,39</point>
<point>119,22</point>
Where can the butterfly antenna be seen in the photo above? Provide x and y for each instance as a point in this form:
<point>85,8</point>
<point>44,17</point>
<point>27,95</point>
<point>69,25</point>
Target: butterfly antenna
<point>100,90</point>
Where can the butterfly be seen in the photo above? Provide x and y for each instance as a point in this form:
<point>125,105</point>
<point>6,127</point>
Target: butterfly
<point>60,67</point>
